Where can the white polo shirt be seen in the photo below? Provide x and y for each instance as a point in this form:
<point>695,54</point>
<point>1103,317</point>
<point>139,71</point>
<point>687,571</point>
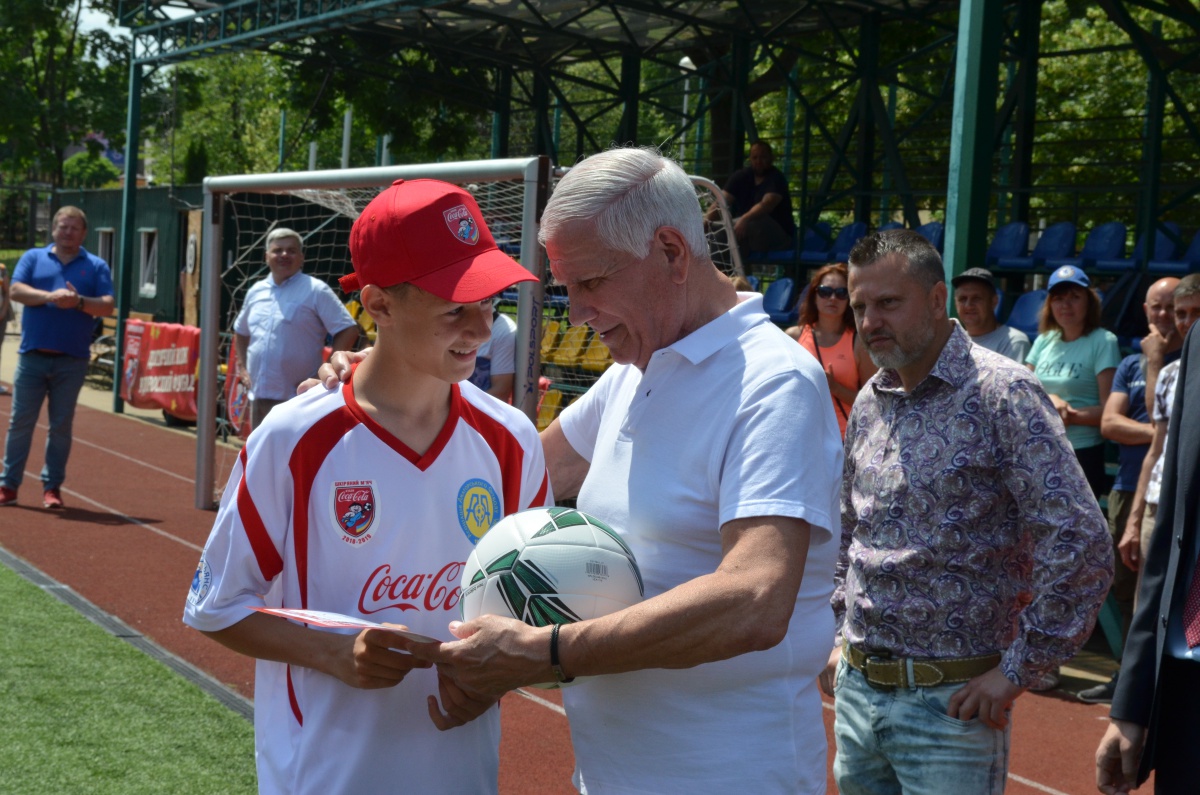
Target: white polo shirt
<point>326,510</point>
<point>287,324</point>
<point>733,421</point>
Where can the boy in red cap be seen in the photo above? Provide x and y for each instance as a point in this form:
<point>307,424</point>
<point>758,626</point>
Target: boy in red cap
<point>366,501</point>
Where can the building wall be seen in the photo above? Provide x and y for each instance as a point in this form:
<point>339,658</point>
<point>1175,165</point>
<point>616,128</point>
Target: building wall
<point>161,210</point>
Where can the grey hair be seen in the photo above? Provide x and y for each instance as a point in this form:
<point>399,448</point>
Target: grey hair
<point>1188,285</point>
<point>924,262</point>
<point>627,194</point>
<point>281,232</point>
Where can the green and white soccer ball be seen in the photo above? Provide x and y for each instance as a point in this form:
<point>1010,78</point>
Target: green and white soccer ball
<point>549,566</point>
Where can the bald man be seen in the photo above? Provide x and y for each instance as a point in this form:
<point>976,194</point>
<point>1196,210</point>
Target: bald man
<point>1126,422</point>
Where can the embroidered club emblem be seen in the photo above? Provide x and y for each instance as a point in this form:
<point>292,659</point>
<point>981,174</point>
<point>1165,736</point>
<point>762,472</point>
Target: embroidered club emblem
<point>462,224</point>
<point>354,509</point>
<point>478,508</point>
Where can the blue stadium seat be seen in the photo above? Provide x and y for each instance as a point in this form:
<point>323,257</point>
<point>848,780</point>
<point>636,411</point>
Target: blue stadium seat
<point>1189,262</point>
<point>848,235</point>
<point>934,232</point>
<point>1024,314</point>
<point>818,240</point>
<point>814,239</point>
<point>1011,240</point>
<point>890,225</point>
<point>1166,237</point>
<point>1056,240</point>
<point>1105,242</point>
<point>779,301</point>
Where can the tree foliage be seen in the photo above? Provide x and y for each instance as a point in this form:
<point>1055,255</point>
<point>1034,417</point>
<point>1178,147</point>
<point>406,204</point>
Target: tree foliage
<point>60,83</point>
<point>89,169</point>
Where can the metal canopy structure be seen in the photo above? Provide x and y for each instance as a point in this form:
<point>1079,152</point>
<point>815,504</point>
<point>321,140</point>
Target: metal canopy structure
<point>901,121</point>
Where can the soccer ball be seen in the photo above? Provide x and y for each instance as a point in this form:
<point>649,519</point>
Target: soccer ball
<point>549,566</point>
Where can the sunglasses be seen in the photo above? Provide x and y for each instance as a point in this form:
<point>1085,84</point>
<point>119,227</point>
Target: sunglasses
<point>825,291</point>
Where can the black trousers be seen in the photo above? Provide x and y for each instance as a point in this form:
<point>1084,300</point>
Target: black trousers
<point>1177,744</point>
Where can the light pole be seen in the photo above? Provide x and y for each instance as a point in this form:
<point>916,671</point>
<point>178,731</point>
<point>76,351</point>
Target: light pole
<point>687,67</point>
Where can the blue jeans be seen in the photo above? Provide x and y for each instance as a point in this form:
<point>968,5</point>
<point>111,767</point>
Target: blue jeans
<point>57,381</point>
<point>902,741</point>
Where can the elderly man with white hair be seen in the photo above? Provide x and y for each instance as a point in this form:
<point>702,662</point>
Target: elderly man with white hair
<point>711,445</point>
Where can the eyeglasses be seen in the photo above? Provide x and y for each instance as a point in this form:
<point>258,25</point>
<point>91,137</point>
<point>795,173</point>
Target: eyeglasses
<point>825,291</point>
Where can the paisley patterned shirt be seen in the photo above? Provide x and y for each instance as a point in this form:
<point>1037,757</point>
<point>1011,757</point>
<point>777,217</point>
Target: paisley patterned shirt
<point>967,525</point>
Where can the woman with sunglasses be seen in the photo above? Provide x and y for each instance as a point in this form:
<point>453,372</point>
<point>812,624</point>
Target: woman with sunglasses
<point>826,330</point>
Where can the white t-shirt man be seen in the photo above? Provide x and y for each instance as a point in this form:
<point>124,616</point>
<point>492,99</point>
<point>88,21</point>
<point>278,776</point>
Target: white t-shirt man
<point>325,510</point>
<point>1006,341</point>
<point>1164,399</point>
<point>708,434</point>
<point>287,324</point>
<point>497,356</point>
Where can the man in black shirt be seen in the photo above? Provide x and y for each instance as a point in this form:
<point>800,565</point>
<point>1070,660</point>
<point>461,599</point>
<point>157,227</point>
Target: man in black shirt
<point>761,206</point>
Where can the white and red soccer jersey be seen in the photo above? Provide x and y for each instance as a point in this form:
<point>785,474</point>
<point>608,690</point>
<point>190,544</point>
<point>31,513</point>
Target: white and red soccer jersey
<point>326,510</point>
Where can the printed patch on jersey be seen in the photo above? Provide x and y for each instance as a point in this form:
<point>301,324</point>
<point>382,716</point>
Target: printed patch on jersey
<point>460,222</point>
<point>478,508</point>
<point>201,582</point>
<point>354,509</point>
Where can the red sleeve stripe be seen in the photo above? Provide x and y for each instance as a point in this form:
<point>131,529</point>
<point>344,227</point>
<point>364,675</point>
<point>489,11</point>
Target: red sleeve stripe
<point>306,460</point>
<point>270,562</point>
<point>505,447</point>
<point>539,500</point>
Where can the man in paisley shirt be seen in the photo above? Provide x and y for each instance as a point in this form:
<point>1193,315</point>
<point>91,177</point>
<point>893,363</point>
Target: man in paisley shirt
<point>974,557</point>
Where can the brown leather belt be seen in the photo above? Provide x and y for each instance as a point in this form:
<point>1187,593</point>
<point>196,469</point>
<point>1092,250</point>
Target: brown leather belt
<point>890,672</point>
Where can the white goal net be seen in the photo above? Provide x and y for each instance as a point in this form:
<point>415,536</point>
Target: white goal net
<point>555,361</point>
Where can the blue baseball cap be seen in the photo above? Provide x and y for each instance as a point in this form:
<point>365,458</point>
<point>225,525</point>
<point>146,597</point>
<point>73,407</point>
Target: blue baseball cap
<point>1068,274</point>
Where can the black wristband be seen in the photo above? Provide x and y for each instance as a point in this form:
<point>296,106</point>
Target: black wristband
<point>559,674</point>
<point>80,304</point>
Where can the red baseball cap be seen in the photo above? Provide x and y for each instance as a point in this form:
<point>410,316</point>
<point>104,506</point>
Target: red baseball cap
<point>429,233</point>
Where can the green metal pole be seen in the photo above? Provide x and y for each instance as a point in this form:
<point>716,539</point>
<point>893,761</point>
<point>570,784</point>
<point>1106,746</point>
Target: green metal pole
<point>282,137</point>
<point>124,273</point>
<point>972,132</point>
<point>1156,99</point>
<point>789,122</point>
<point>502,113</point>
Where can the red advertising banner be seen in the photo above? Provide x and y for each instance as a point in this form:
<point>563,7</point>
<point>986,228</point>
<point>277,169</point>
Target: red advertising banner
<point>159,368</point>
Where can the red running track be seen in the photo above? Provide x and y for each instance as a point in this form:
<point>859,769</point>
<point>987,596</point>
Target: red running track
<point>130,538</point>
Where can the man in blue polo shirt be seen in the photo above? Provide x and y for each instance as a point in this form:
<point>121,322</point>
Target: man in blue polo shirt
<point>64,289</point>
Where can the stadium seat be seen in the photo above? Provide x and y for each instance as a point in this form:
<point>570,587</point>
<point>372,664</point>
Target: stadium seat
<point>1166,236</point>
<point>1189,262</point>
<point>779,301</point>
<point>1056,240</point>
<point>934,232</point>
<point>890,225</point>
<point>817,244</point>
<point>1011,240</point>
<point>596,356</point>
<point>548,408</point>
<point>1024,314</point>
<point>1105,241</point>
<point>848,235</point>
<point>551,329</point>
<point>814,239</point>
<point>570,348</point>
<point>754,282</point>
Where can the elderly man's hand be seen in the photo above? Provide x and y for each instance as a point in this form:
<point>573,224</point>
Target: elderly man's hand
<point>336,370</point>
<point>493,655</point>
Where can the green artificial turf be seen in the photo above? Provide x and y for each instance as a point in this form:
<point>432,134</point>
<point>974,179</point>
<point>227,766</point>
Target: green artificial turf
<point>84,712</point>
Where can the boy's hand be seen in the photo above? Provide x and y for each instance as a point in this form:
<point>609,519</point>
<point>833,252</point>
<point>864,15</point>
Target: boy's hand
<point>375,661</point>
